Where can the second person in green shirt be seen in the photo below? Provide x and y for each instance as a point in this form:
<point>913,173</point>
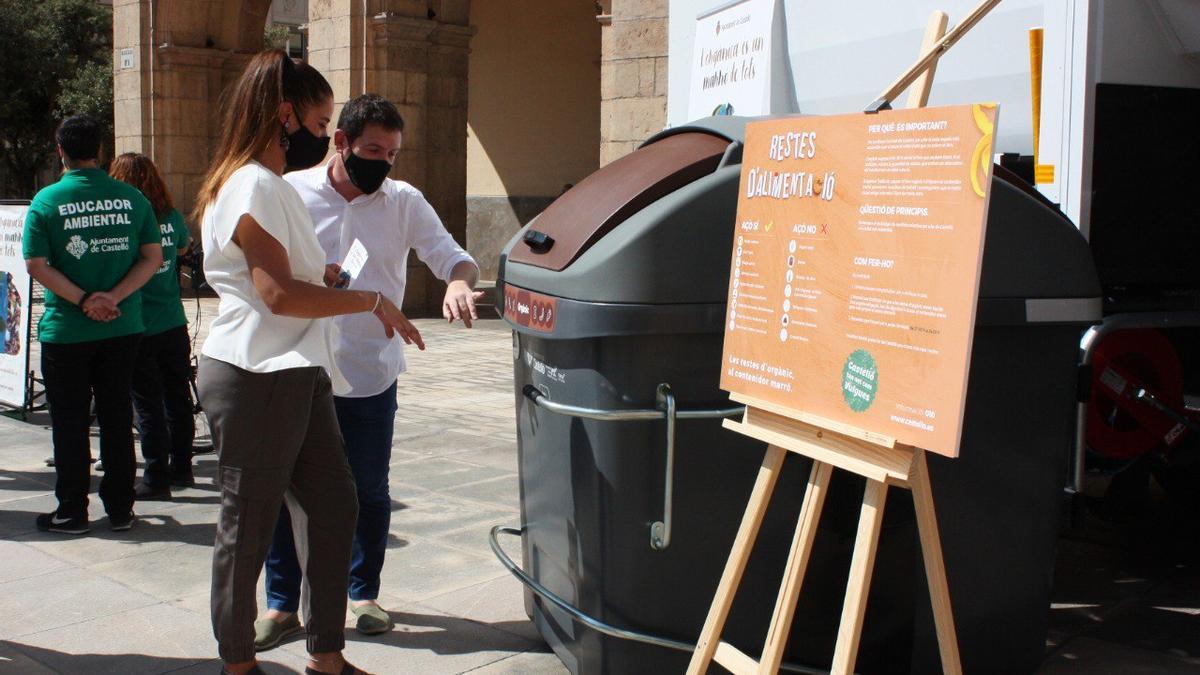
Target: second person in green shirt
<point>161,392</point>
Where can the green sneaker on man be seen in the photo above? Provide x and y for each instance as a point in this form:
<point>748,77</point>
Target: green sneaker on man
<point>268,633</point>
<point>372,619</point>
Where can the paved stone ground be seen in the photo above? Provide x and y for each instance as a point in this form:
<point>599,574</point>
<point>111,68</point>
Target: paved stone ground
<point>137,602</point>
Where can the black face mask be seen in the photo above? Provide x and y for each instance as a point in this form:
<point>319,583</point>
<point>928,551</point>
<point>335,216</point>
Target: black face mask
<point>366,174</point>
<point>304,150</point>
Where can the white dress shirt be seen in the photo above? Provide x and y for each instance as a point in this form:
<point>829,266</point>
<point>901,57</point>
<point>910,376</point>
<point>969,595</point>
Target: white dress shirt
<point>389,222</point>
<point>246,333</point>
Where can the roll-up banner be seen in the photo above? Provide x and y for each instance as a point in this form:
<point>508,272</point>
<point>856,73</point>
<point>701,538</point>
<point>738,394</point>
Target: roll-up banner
<point>15,290</point>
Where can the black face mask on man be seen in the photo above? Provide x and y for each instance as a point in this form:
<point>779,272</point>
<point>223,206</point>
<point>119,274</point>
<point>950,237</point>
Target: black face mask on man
<point>303,149</point>
<point>366,174</point>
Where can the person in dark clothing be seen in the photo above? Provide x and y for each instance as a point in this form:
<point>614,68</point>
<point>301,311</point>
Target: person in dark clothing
<point>92,242</point>
<point>161,391</point>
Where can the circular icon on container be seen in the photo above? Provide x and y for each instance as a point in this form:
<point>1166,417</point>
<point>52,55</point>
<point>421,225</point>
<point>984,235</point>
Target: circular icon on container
<point>732,325</point>
<point>739,251</point>
<point>739,240</point>
<point>785,319</point>
<point>737,272</point>
<point>787,305</point>
<point>735,294</point>
<point>792,246</point>
<point>787,291</point>
<point>790,275</point>
<point>783,335</point>
<point>791,260</point>
<point>733,314</point>
<point>736,282</point>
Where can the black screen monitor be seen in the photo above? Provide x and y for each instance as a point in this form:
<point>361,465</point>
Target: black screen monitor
<point>1145,217</point>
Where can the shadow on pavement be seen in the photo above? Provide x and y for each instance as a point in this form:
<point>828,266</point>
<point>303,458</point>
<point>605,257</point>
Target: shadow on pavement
<point>32,481</point>
<point>63,662</point>
<point>148,528</point>
<point>454,635</point>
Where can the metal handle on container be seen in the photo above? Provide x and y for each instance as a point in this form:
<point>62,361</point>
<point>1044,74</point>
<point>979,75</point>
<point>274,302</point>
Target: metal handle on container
<point>590,621</point>
<point>660,531</point>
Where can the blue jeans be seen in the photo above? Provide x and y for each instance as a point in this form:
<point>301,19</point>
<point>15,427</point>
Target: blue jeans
<point>366,425</point>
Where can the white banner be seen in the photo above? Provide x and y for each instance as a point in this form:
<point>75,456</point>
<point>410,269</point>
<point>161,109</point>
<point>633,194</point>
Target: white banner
<point>15,290</point>
<point>731,63</point>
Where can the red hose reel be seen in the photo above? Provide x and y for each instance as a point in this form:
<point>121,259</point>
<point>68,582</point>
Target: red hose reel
<point>1136,404</point>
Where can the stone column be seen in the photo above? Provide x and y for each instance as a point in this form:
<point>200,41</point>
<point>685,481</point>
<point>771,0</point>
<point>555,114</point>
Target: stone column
<point>336,30</point>
<point>446,126</point>
<point>413,53</point>
<point>131,81</point>
<point>633,74</point>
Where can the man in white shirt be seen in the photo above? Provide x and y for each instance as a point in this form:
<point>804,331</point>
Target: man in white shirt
<point>360,213</point>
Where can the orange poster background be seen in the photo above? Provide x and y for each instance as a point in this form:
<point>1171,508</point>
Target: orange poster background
<point>873,326</point>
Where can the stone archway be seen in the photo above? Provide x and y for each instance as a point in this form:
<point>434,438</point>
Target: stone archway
<point>172,60</point>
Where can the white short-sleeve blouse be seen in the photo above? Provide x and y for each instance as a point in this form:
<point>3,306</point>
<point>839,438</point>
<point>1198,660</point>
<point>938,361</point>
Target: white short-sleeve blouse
<point>246,333</point>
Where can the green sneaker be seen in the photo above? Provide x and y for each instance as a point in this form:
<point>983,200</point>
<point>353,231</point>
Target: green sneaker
<point>372,619</point>
<point>268,633</point>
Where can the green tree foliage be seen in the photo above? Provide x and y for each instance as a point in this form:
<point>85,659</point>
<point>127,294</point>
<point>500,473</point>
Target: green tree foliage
<point>90,92</point>
<point>275,36</point>
<point>55,61</point>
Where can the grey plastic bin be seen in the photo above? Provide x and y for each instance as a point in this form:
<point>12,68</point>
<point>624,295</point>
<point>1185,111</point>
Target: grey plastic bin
<point>619,287</point>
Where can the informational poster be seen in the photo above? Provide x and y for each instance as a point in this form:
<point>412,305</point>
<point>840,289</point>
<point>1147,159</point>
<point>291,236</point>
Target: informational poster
<point>15,290</point>
<point>731,66</point>
<point>856,265</point>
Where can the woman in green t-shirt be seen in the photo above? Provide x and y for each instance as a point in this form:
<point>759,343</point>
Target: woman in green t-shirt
<point>161,394</point>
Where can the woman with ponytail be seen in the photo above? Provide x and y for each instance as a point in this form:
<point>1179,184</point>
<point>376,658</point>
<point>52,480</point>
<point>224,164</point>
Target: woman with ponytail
<point>267,374</point>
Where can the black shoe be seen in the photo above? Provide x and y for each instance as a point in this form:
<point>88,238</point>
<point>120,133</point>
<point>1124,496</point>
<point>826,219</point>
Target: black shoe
<point>52,522</point>
<point>122,523</point>
<point>183,480</point>
<point>145,493</point>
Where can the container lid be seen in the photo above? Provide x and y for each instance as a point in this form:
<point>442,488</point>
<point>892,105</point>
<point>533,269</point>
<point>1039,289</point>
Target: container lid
<point>600,202</point>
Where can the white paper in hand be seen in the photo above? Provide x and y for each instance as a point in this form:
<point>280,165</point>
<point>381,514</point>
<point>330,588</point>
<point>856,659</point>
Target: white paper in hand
<point>356,258</point>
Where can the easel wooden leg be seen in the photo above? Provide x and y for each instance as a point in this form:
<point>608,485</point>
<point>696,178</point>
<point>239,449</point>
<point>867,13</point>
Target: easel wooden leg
<point>797,565</point>
<point>862,565</point>
<point>935,567</point>
<point>935,30</point>
<point>760,496</point>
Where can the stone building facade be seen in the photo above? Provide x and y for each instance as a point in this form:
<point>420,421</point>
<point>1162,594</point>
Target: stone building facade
<point>172,60</point>
<point>633,75</point>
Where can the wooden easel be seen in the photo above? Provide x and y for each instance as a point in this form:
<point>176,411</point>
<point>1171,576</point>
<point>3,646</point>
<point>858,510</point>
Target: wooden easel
<point>830,445</point>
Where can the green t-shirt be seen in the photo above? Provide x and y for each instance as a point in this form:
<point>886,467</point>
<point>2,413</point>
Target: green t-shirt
<point>162,309</point>
<point>90,227</point>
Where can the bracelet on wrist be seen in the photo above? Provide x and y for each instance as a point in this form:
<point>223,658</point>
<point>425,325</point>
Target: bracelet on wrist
<point>378,302</point>
<point>83,298</point>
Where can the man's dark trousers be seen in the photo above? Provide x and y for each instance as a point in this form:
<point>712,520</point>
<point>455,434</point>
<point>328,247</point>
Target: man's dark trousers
<point>75,373</point>
<point>367,426</point>
<point>163,402</point>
